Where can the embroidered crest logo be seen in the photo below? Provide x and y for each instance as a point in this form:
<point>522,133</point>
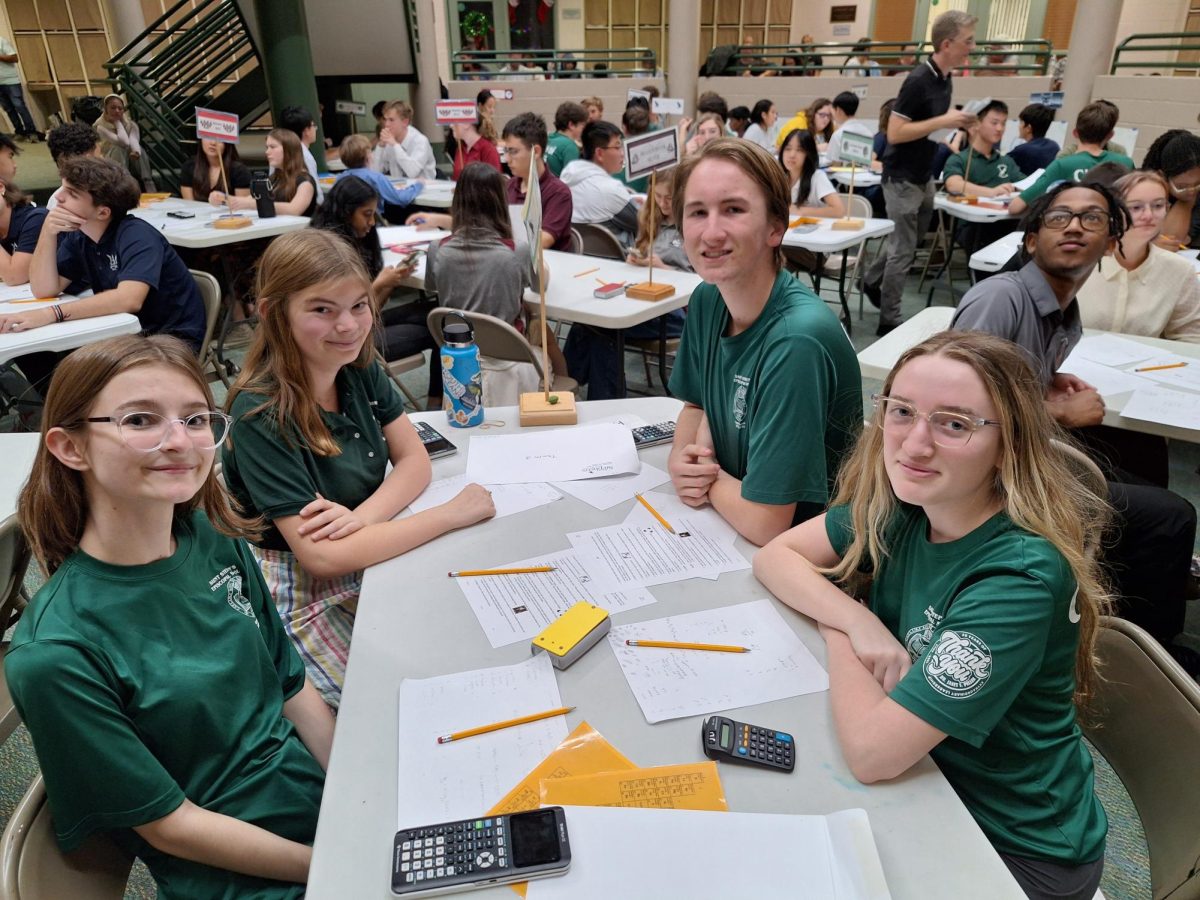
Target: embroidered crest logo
<point>739,400</point>
<point>958,665</point>
<point>230,579</point>
<point>113,262</point>
<point>918,638</point>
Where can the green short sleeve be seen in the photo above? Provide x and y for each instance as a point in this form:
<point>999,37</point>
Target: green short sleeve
<point>389,405</point>
<point>687,379</point>
<point>1054,173</point>
<point>838,528</point>
<point>273,473</point>
<point>955,165</point>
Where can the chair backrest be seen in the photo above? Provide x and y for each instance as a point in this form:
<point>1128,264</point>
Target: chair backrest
<point>14,559</point>
<point>210,293</point>
<point>599,241</point>
<point>32,867</point>
<point>494,337</point>
<point>858,207</point>
<point>576,241</point>
<point>1148,728</point>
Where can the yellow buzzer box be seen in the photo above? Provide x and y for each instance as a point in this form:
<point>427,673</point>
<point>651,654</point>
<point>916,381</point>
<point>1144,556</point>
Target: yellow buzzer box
<point>572,634</point>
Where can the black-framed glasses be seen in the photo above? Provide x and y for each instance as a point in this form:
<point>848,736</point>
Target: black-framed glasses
<point>949,429</point>
<point>148,431</point>
<point>1058,219</point>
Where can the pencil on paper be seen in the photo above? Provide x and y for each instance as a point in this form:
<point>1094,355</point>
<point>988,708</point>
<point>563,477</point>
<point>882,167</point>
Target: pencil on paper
<point>35,300</point>
<point>1178,365</point>
<point>508,723</point>
<point>587,272</point>
<point>654,512</point>
<point>683,645</point>
<point>521,571</point>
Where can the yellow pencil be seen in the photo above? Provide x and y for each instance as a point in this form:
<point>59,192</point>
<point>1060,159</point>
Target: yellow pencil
<point>35,300</point>
<point>587,272</point>
<point>654,512</point>
<point>484,729</point>
<point>522,571</point>
<point>1178,365</point>
<point>679,645</point>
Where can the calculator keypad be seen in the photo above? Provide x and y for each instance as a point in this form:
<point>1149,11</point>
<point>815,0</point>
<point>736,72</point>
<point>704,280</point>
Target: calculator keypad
<point>462,851</point>
<point>649,435</point>
<point>764,746</point>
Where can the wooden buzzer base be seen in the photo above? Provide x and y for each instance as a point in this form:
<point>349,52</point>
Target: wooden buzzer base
<point>649,290</point>
<point>848,224</point>
<point>230,222</point>
<point>536,411</point>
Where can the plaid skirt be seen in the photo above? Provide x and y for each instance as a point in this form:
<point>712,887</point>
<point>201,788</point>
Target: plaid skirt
<point>318,615</point>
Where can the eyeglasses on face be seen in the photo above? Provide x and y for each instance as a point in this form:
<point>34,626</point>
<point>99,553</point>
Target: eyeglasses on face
<point>1157,207</point>
<point>949,429</point>
<point>148,431</point>
<point>1184,190</point>
<point>1058,219</point>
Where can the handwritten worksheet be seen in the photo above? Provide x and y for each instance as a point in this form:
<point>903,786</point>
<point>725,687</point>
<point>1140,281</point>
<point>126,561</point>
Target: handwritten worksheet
<point>694,520</point>
<point>605,493</point>
<point>513,608</point>
<point>564,454</point>
<point>508,498</point>
<point>674,684</point>
<point>1110,350</point>
<point>625,556</point>
<point>1164,406</point>
<point>456,780</point>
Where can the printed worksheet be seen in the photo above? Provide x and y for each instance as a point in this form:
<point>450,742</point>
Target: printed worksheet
<point>513,608</point>
<point>625,556</point>
<point>605,493</point>
<point>703,520</point>
<point>508,498</point>
<point>674,684</point>
<point>439,782</point>
<point>564,454</point>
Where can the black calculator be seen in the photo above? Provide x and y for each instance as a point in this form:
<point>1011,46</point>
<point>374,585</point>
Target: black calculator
<point>728,741</point>
<point>652,435</point>
<point>476,853</point>
<point>436,444</point>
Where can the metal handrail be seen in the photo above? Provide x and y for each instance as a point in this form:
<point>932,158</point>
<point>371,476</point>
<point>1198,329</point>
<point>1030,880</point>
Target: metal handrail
<point>1032,57</point>
<point>1132,44</point>
<point>643,60</point>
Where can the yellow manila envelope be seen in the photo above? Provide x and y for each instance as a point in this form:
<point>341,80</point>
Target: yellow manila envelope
<point>689,786</point>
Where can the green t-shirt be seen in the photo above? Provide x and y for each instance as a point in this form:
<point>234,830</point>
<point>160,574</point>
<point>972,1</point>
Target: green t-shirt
<point>145,685</point>
<point>990,623</point>
<point>783,398</point>
<point>276,476</point>
<point>560,150</point>
<point>987,171</point>
<point>1071,168</point>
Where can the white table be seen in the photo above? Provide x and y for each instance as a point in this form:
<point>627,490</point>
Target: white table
<point>434,195</point>
<point>980,214</point>
<point>61,336</point>
<point>413,621</point>
<point>877,360</point>
<point>993,257</point>
<point>199,233</point>
<point>862,178</point>
<point>825,239</point>
<point>18,450</point>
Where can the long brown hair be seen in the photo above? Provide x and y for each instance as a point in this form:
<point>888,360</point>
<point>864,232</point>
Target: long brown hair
<point>810,118</point>
<point>53,505</point>
<point>651,214</point>
<point>479,201</point>
<point>1036,484</point>
<point>288,176</point>
<point>274,367</point>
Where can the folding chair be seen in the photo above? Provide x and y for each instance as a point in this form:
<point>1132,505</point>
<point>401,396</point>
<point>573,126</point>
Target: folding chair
<point>599,241</point>
<point>14,560</point>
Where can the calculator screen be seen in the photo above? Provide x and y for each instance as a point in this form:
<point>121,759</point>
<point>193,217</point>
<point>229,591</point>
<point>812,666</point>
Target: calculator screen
<point>725,735</point>
<point>534,838</point>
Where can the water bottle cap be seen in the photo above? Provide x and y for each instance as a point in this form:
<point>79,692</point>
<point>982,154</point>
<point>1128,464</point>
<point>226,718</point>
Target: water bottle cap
<point>457,333</point>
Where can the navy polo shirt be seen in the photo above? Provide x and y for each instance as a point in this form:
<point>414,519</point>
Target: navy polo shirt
<point>134,250</point>
<point>23,229</point>
<point>925,94</point>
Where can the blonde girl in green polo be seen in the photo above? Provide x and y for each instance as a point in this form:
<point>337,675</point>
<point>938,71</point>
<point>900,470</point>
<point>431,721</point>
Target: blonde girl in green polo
<point>963,529</point>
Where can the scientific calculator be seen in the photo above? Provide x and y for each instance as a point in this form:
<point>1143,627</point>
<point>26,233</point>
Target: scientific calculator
<point>436,445</point>
<point>728,741</point>
<point>652,435</point>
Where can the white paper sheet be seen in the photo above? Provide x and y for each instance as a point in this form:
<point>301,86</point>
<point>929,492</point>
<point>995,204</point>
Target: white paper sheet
<point>650,854</point>
<point>464,778</point>
<point>625,556</point>
<point>392,235</point>
<point>509,498</point>
<point>673,684</point>
<point>16,292</point>
<point>1110,350</point>
<point>704,520</point>
<point>1026,183</point>
<point>605,493</point>
<point>1184,377</point>
<point>564,454</point>
<point>1105,379</point>
<point>1180,409</point>
<point>514,608</point>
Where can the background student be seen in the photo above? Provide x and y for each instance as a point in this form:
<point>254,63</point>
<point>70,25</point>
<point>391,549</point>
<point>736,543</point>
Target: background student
<point>316,422</point>
<point>472,146</point>
<point>1037,151</point>
<point>659,218</point>
<point>965,534</point>
<point>20,227</point>
<point>1176,156</point>
<point>819,121</point>
<point>402,151</point>
<point>166,705</point>
<point>200,178</point>
<point>845,107</point>
<point>562,147</point>
<point>596,197</point>
<point>762,119</point>
<point>809,189</point>
<point>709,126</point>
<point>355,154</point>
<point>121,140</point>
<point>292,188</point>
<point>299,121</point>
<point>765,370</point>
<point>526,146</point>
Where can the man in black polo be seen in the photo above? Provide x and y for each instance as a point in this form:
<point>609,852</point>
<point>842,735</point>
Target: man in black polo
<point>922,109</point>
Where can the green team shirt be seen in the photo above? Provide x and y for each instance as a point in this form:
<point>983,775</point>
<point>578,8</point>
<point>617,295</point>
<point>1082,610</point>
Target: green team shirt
<point>991,625</point>
<point>276,476</point>
<point>560,150</point>
<point>146,685</point>
<point>987,171</point>
<point>783,398</point>
<point>1071,168</point>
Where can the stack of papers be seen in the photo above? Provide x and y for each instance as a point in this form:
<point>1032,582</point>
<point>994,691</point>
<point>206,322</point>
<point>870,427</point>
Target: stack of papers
<point>508,498</point>
<point>566,454</point>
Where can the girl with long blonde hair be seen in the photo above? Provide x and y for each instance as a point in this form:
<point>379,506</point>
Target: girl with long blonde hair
<point>966,533</point>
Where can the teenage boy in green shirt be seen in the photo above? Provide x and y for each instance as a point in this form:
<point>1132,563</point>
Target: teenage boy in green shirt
<point>991,172</point>
<point>563,146</point>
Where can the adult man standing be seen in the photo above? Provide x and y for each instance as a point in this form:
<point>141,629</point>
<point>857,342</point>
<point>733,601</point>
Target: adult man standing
<point>922,108</point>
<point>1067,231</point>
<point>12,98</point>
<point>403,152</point>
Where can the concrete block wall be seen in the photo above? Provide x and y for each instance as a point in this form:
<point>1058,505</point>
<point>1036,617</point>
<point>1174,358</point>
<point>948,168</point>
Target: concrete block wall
<point>1152,104</point>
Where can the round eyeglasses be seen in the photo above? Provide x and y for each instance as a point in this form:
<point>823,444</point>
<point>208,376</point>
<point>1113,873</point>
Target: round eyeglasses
<point>1090,219</point>
<point>1157,208</point>
<point>1184,190</point>
<point>949,429</point>
<point>148,431</point>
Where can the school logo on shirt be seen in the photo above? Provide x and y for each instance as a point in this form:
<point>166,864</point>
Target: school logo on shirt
<point>918,638</point>
<point>742,384</point>
<point>113,262</point>
<point>1002,170</point>
<point>1073,613</point>
<point>230,579</point>
<point>958,665</point>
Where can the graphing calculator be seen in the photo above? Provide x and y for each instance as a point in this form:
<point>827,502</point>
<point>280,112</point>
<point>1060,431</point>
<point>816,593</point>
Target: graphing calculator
<point>436,445</point>
<point>728,741</point>
<point>651,435</point>
<point>476,853</point>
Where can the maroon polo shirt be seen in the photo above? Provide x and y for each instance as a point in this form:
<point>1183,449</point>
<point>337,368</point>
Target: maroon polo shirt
<point>556,206</point>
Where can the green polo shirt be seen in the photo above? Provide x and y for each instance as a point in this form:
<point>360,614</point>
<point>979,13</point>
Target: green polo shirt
<point>991,625</point>
<point>145,685</point>
<point>1071,168</point>
<point>783,398</point>
<point>275,475</point>
<point>560,150</point>
<point>987,171</point>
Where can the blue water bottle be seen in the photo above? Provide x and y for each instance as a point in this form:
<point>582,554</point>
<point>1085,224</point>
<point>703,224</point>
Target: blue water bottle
<point>462,376</point>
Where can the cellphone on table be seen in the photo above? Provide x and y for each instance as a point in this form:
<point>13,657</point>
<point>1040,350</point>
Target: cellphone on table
<point>436,445</point>
<point>476,853</point>
<point>651,435</point>
<point>607,291</point>
<point>728,741</point>
<point>181,214</point>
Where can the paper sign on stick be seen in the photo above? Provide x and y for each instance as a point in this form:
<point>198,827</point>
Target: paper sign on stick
<point>634,92</point>
<point>447,112</point>
<point>855,148</point>
<point>651,152</point>
<point>670,106</point>
<point>212,125</point>
<point>352,107</point>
